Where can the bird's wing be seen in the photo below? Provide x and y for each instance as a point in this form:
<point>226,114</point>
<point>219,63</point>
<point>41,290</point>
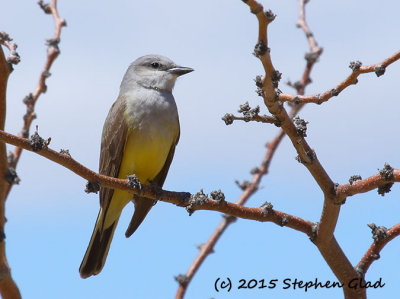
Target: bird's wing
<point>112,146</point>
<point>161,176</point>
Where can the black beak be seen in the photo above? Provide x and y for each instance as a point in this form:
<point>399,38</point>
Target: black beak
<point>180,70</point>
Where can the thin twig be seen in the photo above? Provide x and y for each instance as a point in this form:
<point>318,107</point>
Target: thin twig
<point>52,53</point>
<point>373,252</point>
<point>257,118</point>
<point>378,68</point>
<point>229,118</point>
<point>13,56</point>
<point>302,23</point>
<point>250,114</point>
<point>315,50</point>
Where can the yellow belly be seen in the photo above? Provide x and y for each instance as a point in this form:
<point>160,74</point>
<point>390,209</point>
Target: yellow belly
<point>144,155</point>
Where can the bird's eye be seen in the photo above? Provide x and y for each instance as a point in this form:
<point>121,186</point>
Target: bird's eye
<point>155,65</point>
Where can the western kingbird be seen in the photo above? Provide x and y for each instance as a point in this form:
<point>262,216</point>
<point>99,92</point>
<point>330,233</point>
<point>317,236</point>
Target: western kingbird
<point>139,137</point>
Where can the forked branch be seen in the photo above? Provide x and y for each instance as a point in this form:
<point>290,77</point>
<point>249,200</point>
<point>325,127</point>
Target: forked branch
<point>249,188</point>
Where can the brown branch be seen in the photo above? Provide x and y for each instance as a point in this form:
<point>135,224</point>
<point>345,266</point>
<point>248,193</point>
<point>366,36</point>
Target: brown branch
<point>30,100</point>
<point>341,267</point>
<point>229,118</point>
<point>183,199</point>
<point>376,181</point>
<point>4,73</point>
<point>13,56</point>
<point>378,68</point>
<point>306,154</point>
<point>315,50</point>
<point>250,114</point>
<point>325,240</point>
<point>249,190</point>
<point>302,23</point>
<point>272,146</point>
<point>373,252</point>
<point>257,118</point>
<point>8,288</point>
<point>261,49</point>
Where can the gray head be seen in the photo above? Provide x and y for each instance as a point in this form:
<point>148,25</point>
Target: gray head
<point>153,71</point>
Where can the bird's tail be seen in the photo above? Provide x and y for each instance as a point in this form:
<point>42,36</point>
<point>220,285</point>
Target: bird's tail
<point>142,207</point>
<point>96,253</point>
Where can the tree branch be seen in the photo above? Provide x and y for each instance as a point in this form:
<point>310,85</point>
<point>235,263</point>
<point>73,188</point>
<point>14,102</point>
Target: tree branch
<point>373,252</point>
<point>183,199</point>
<point>306,154</point>
<point>8,288</point>
<point>30,100</point>
<point>248,191</point>
<point>325,241</point>
<point>378,68</point>
<point>4,73</point>
<point>249,114</point>
<point>302,23</point>
<point>229,118</point>
<point>376,181</point>
<point>272,146</point>
<point>315,50</point>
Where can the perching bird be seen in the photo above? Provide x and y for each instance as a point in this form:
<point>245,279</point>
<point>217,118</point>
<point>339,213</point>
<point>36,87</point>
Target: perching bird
<point>139,137</point>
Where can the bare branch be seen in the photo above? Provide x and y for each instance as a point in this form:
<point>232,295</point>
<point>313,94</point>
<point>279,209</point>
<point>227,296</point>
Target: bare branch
<point>315,50</point>
<point>229,118</point>
<point>4,73</point>
<point>251,187</point>
<point>8,288</point>
<point>325,240</point>
<point>248,191</point>
<point>249,114</point>
<point>378,68</point>
<point>183,199</point>
<point>306,154</point>
<point>361,186</point>
<point>302,23</point>
<point>13,56</point>
<point>30,100</point>
<point>373,252</point>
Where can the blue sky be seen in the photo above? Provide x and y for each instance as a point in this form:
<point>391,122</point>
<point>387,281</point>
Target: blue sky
<point>50,218</point>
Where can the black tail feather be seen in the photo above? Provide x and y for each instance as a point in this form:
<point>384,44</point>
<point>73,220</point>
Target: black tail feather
<point>142,207</point>
<point>96,253</point>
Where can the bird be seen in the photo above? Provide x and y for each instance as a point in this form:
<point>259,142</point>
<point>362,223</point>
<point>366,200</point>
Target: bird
<point>139,137</point>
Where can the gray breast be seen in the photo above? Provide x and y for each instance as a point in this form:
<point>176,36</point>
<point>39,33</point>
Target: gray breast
<point>148,109</point>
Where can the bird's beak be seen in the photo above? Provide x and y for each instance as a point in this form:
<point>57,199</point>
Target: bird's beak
<point>180,70</point>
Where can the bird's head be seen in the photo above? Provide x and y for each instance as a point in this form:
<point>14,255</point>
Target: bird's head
<point>154,71</point>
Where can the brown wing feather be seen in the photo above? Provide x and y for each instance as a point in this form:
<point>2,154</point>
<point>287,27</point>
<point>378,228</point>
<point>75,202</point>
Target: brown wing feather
<point>143,205</point>
<point>112,146</point>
